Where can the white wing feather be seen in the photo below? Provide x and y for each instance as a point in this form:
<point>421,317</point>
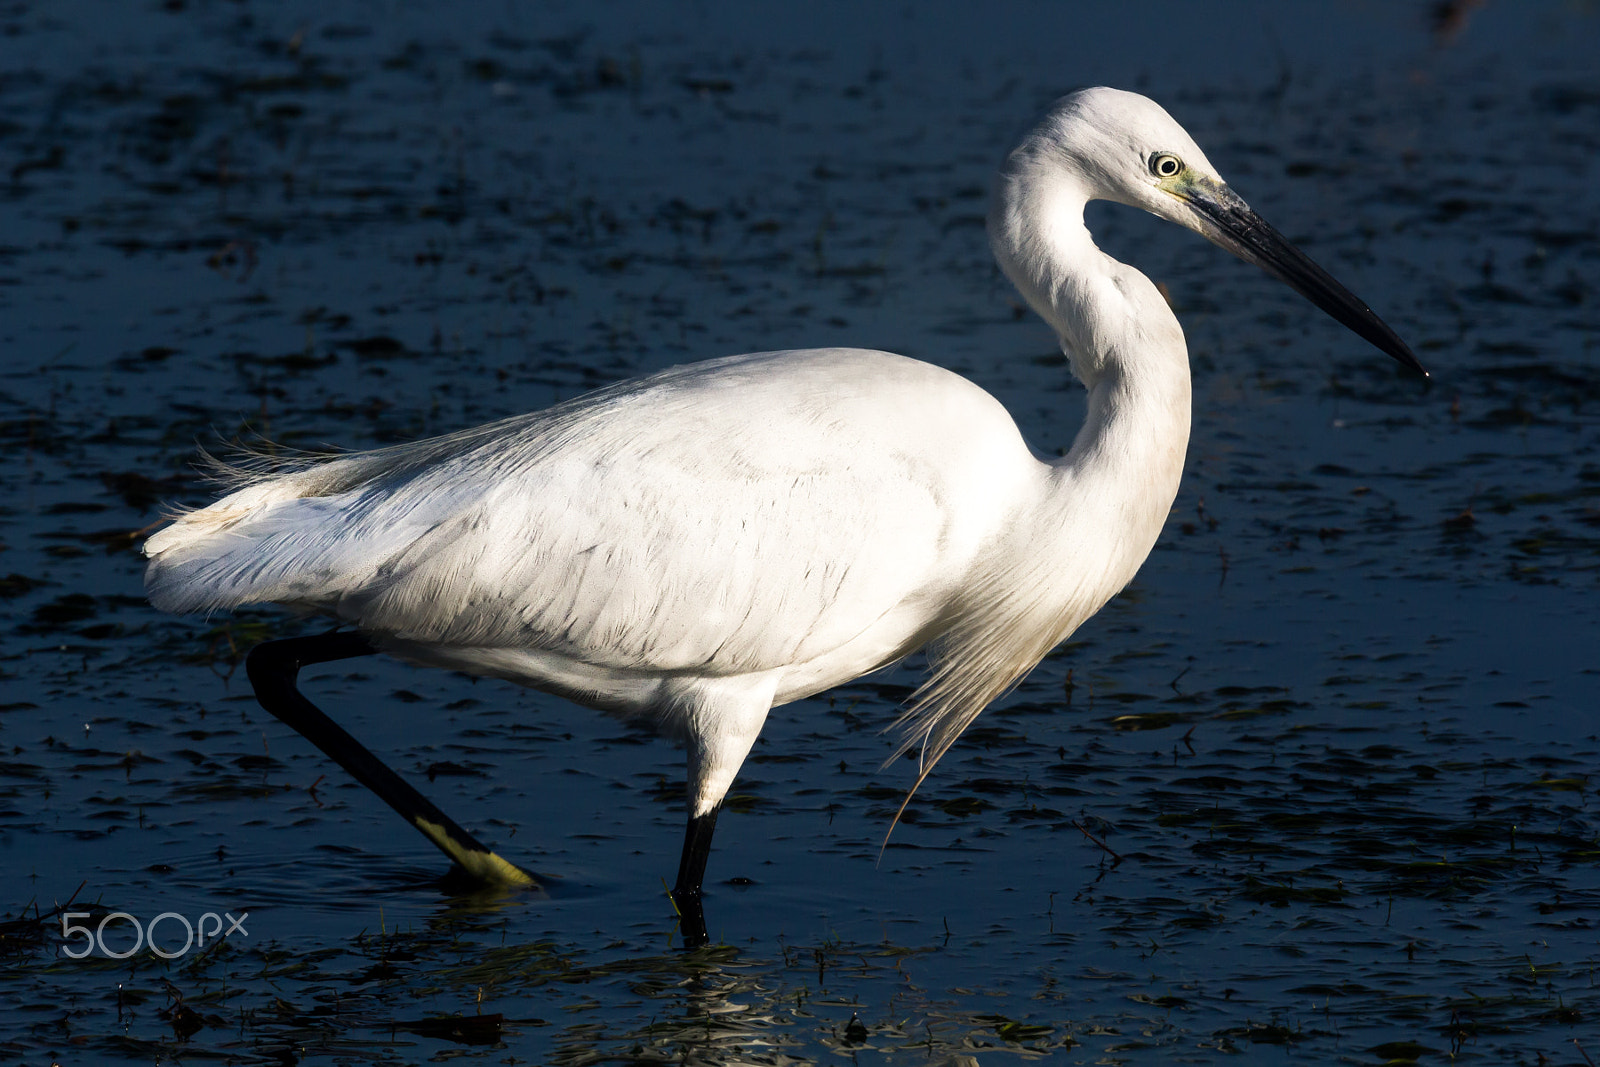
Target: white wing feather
<point>731,517</point>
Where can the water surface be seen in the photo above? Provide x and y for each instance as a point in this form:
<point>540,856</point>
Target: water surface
<point>1314,787</point>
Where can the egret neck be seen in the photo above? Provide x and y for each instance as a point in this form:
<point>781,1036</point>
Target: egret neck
<point>1117,484</point>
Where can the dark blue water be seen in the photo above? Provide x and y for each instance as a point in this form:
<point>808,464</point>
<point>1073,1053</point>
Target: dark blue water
<point>1315,787</point>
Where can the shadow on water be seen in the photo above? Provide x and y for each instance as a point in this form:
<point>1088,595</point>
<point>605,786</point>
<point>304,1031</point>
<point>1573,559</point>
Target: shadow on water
<point>1316,786</point>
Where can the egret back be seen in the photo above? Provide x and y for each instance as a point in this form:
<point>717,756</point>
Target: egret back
<point>736,516</point>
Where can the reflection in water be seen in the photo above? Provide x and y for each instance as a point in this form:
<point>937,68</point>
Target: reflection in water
<point>458,981</point>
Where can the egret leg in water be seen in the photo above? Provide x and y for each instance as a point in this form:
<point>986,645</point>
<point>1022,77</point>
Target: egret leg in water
<point>694,547</point>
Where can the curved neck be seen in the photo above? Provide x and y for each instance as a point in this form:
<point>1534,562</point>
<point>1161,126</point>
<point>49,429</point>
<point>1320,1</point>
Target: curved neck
<point>1117,483</point>
<point>1125,345</point>
<point>1103,311</point>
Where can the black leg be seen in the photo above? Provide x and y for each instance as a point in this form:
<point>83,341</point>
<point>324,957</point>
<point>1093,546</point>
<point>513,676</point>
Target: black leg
<point>691,872</point>
<point>273,668</point>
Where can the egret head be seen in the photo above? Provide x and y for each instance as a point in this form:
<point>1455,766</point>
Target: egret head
<point>1116,145</point>
<point>1107,144</point>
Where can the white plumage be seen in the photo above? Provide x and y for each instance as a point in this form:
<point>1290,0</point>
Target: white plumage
<point>698,545</point>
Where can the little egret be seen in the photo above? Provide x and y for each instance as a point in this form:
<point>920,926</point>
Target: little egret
<point>694,547</point>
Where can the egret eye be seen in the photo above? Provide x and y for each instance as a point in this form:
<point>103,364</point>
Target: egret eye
<point>1165,165</point>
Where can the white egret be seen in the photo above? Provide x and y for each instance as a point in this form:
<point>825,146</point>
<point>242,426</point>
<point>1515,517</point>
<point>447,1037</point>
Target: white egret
<point>694,547</point>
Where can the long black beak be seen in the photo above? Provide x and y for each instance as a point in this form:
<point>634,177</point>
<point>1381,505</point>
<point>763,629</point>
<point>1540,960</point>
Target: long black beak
<point>1233,225</point>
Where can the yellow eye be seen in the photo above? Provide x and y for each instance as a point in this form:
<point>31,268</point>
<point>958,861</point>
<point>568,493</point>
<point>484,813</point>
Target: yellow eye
<point>1165,165</point>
